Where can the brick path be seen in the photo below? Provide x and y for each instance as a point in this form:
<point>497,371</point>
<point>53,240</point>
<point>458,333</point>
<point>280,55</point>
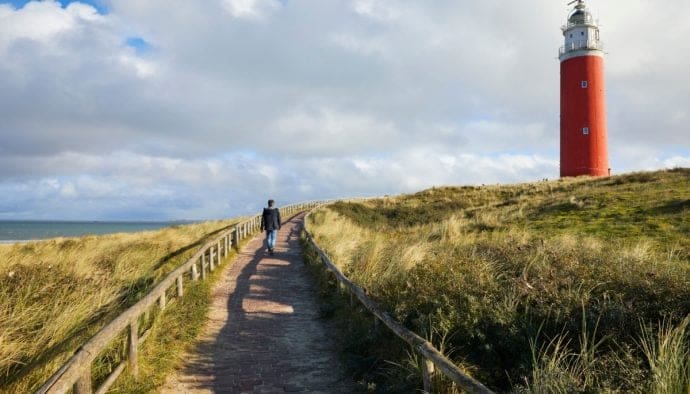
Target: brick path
<point>263,334</point>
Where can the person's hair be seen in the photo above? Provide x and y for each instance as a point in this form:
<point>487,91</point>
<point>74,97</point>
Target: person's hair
<point>271,203</point>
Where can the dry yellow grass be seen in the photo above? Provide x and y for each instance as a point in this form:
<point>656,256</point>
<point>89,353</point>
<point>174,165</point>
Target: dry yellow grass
<point>54,294</point>
<point>544,264</point>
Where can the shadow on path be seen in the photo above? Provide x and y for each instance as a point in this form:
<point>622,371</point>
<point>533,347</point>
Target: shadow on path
<point>270,338</point>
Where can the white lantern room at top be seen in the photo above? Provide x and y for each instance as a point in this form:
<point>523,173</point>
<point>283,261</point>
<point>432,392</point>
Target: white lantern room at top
<point>581,32</point>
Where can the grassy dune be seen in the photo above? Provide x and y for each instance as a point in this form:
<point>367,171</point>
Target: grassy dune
<point>55,294</point>
<point>576,285</point>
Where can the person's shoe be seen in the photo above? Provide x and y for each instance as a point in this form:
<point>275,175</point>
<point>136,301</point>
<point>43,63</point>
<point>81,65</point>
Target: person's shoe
<point>270,251</point>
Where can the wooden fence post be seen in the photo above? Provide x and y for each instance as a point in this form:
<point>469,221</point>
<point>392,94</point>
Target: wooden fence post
<point>180,287</point>
<point>219,254</point>
<point>226,239</point>
<point>162,301</point>
<point>203,266</point>
<point>427,374</point>
<point>210,259</point>
<point>195,274</point>
<point>134,348</point>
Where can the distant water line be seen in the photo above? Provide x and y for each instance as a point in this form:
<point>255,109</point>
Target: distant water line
<point>13,231</point>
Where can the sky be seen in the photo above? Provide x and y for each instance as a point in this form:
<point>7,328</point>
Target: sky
<point>170,110</point>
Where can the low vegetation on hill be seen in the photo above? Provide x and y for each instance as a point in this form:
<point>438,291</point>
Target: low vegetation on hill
<point>575,285</point>
<point>55,294</point>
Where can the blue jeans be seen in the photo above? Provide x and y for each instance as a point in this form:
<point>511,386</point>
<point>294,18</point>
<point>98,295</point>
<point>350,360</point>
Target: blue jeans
<point>271,238</point>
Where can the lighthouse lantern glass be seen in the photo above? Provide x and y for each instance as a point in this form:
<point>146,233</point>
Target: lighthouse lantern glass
<point>581,31</point>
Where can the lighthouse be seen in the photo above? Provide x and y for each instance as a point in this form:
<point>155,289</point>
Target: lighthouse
<point>584,149</point>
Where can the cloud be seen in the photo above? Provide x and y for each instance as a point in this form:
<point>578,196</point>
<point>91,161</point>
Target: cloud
<point>42,22</point>
<point>325,131</point>
<point>677,162</point>
<point>134,112</point>
<point>379,10</point>
<point>250,9</point>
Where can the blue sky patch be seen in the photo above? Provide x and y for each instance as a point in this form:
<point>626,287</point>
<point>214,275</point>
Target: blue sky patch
<point>99,5</point>
<point>139,44</point>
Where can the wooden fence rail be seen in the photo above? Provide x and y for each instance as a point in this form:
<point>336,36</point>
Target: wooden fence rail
<point>76,373</point>
<point>432,357</point>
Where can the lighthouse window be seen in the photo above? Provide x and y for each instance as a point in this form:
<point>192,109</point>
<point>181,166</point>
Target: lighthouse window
<point>585,131</point>
<point>582,33</point>
<point>584,84</point>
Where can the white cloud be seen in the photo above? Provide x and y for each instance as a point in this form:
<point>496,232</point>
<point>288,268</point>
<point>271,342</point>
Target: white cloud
<point>251,9</point>
<point>325,131</point>
<point>143,68</point>
<point>44,21</point>
<point>363,45</point>
<point>380,10</point>
<point>147,187</point>
<point>68,190</point>
<point>303,99</point>
<point>677,161</point>
<point>36,21</point>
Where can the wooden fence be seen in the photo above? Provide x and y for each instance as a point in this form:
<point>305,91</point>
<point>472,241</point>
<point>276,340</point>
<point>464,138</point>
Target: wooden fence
<point>76,372</point>
<point>432,357</point>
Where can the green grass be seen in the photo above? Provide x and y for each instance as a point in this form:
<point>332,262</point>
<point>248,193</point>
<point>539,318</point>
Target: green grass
<point>520,276</point>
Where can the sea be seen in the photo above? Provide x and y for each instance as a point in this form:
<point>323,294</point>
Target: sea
<point>12,231</point>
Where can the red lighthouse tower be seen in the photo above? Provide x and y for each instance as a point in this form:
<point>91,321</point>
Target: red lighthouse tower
<point>584,148</point>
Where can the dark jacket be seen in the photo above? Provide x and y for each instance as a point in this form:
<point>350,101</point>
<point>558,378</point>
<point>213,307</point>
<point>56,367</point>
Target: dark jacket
<point>270,219</point>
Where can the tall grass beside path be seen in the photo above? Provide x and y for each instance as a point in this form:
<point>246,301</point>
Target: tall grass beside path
<point>56,294</point>
<point>174,333</point>
<point>538,286</point>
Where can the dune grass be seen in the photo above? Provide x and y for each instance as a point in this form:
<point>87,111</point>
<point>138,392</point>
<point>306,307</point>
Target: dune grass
<point>578,285</point>
<point>55,294</point>
<point>174,333</point>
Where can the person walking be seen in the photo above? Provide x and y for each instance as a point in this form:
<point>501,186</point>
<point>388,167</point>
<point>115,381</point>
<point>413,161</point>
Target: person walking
<point>270,221</point>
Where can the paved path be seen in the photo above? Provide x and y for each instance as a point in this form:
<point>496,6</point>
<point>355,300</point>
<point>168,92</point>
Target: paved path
<point>263,334</point>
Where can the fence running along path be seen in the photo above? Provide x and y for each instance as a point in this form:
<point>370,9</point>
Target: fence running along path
<point>76,373</point>
<point>432,357</point>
